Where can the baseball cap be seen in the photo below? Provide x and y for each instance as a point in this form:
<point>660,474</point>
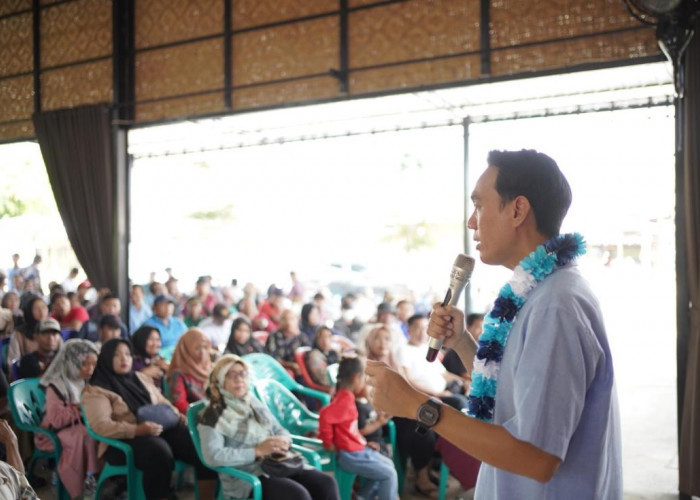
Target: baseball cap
<point>49,325</point>
<point>161,298</point>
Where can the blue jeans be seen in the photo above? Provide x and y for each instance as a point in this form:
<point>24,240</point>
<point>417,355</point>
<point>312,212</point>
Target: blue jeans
<point>376,470</point>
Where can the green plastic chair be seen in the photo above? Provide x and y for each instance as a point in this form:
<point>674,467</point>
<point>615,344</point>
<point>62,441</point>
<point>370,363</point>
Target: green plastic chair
<point>442,488</point>
<point>192,413</point>
<point>134,476</point>
<point>27,401</point>
<point>264,366</point>
<point>332,371</point>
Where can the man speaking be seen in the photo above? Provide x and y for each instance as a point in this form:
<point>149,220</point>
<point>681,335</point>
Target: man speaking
<point>543,414</point>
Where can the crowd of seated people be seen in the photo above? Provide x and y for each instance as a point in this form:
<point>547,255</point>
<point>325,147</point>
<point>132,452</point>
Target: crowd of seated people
<point>179,349</point>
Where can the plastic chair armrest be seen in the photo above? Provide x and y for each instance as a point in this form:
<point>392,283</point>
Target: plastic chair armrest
<point>245,476</point>
<point>310,455</point>
<point>51,435</point>
<point>307,391</point>
<point>306,441</point>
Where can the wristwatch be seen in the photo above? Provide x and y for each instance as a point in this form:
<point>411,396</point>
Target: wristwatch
<point>428,415</point>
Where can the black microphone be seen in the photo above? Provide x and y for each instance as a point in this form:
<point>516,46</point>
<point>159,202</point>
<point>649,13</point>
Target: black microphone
<point>459,277</point>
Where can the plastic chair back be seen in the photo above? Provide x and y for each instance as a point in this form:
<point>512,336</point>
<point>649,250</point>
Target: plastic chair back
<point>192,415</point>
<point>332,371</point>
<point>300,357</point>
<point>27,401</point>
<point>286,408</point>
<point>264,366</point>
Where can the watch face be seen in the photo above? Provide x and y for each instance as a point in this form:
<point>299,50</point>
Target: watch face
<point>428,415</point>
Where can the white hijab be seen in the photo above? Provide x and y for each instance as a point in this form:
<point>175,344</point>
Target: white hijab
<point>64,371</point>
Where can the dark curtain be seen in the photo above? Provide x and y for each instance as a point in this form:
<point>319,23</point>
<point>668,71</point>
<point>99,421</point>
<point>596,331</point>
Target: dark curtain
<point>689,452</point>
<point>78,152</point>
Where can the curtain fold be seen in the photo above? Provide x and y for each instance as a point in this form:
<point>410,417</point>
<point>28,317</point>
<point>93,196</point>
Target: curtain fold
<point>78,152</point>
<point>689,453</point>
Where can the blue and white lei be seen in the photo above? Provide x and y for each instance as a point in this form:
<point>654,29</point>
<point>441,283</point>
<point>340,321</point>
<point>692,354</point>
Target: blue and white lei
<point>532,270</point>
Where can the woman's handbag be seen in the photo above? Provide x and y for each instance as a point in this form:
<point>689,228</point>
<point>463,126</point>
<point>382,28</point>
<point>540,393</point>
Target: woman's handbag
<point>161,414</point>
<point>282,464</point>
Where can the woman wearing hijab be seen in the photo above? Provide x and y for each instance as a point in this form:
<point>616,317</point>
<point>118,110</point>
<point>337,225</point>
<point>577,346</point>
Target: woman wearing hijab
<point>111,403</point>
<point>22,341</point>
<point>322,355</point>
<point>189,369</point>
<point>238,430</point>
<point>309,322</point>
<point>241,341</point>
<point>63,381</point>
<point>146,343</point>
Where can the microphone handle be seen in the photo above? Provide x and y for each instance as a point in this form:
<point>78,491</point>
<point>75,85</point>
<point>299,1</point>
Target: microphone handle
<point>436,344</point>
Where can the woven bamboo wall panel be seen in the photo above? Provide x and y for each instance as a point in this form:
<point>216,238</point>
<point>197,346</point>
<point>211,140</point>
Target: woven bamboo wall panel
<point>10,6</point>
<point>359,3</point>
<point>601,48</point>
<point>180,70</point>
<point>87,83</point>
<point>413,30</point>
<point>415,75</point>
<point>16,46</point>
<point>514,22</point>
<point>17,130</point>
<point>247,13</point>
<point>16,98</point>
<point>159,22</point>
<point>75,31</point>
<point>288,51</point>
<point>288,92</point>
<point>180,108</point>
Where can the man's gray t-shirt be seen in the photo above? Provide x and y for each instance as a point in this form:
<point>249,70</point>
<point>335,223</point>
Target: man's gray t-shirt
<point>556,391</point>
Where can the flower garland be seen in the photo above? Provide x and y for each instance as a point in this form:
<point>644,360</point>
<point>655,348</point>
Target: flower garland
<point>533,269</point>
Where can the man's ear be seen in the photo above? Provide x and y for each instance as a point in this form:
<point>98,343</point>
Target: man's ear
<point>521,209</point>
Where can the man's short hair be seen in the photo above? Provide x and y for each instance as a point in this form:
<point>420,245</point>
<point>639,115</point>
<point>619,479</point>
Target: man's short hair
<point>414,318</point>
<point>537,177</point>
<point>220,311</point>
<point>471,318</point>
<point>107,297</point>
<point>110,321</point>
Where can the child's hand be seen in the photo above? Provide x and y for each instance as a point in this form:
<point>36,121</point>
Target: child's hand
<point>330,449</point>
<point>374,446</point>
<point>383,417</point>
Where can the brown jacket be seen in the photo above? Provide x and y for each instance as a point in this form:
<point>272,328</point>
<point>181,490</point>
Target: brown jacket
<point>108,414</point>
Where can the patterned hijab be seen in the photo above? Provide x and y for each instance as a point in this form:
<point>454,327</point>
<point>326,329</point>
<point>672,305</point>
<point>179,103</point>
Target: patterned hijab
<point>229,415</point>
<point>64,371</point>
<point>184,358</point>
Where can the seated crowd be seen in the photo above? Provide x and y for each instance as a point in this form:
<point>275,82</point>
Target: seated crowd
<point>179,349</point>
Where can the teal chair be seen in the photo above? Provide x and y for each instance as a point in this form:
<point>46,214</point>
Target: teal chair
<point>442,488</point>
<point>264,366</point>
<point>27,400</point>
<point>332,371</point>
<point>167,352</point>
<point>193,412</point>
<point>134,477</point>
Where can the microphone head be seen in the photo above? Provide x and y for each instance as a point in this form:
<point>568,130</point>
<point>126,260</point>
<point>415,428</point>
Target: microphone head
<point>465,263</point>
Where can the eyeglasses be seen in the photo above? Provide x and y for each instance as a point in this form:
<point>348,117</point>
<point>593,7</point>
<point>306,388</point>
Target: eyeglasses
<point>234,375</point>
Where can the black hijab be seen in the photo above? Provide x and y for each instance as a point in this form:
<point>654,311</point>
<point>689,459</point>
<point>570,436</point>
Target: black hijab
<point>247,347</point>
<point>139,339</point>
<point>31,324</point>
<point>307,328</point>
<point>128,386</point>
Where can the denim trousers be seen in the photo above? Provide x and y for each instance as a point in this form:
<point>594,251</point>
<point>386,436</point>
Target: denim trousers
<point>377,472</point>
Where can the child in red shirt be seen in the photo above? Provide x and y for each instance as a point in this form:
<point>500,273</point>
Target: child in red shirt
<point>338,431</point>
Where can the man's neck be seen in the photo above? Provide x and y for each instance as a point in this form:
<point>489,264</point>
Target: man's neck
<point>524,247</point>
